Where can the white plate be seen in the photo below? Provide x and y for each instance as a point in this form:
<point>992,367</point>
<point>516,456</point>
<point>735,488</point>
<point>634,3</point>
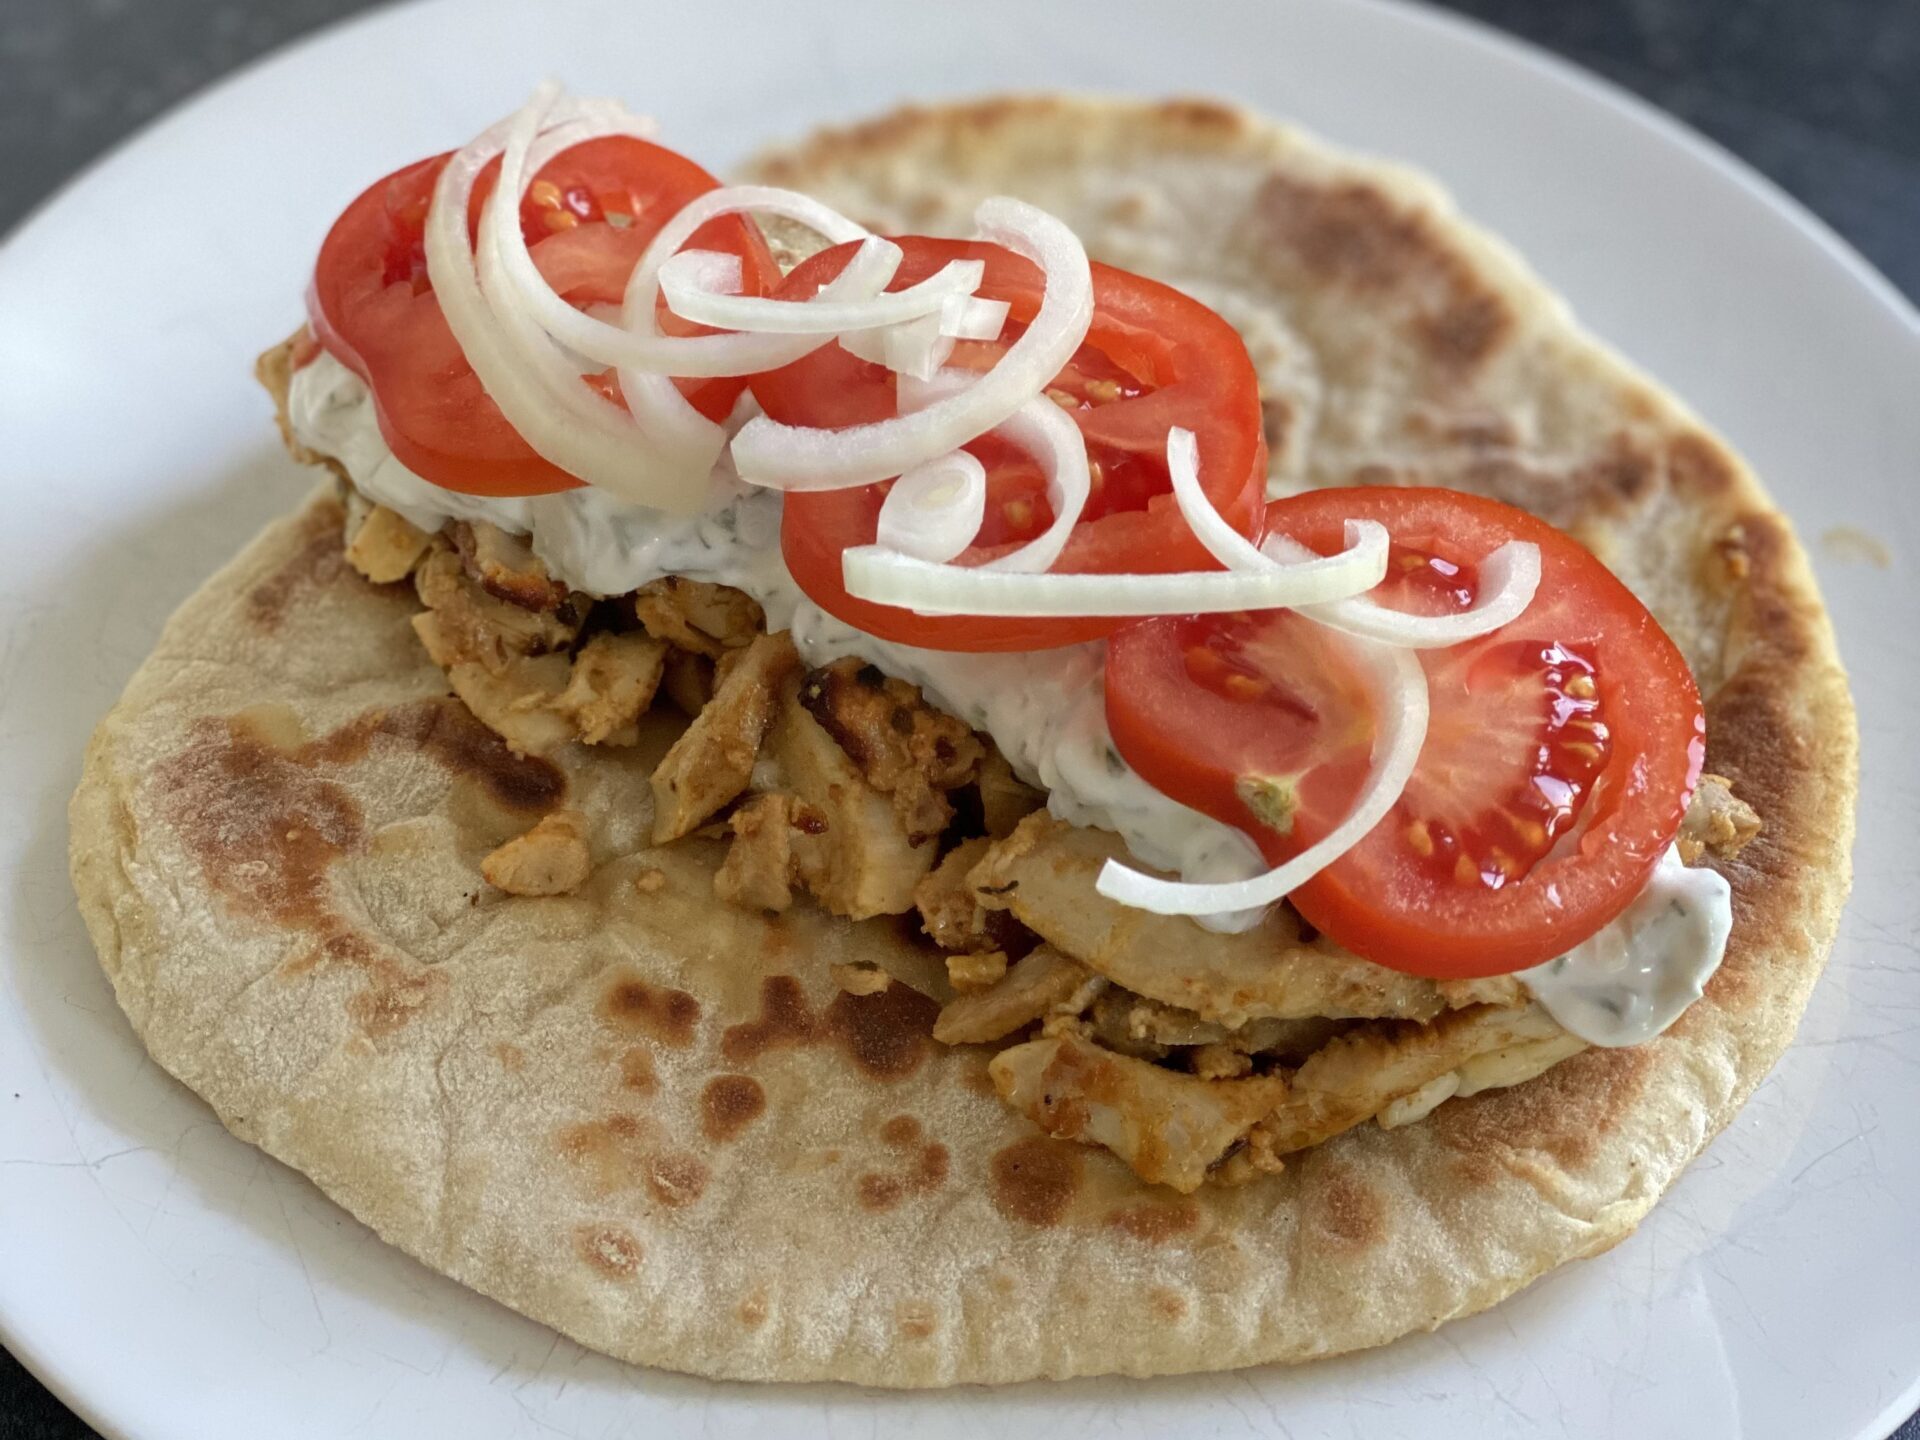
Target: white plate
<point>172,1282</point>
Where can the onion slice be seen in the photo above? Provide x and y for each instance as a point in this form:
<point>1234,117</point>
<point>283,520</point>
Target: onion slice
<point>794,457</point>
<point>887,577</point>
<point>656,402</point>
<point>1046,432</point>
<point>914,348</point>
<point>821,317</point>
<point>934,510</point>
<point>536,386</point>
<point>1398,686</point>
<point>1508,577</point>
<point>709,272</point>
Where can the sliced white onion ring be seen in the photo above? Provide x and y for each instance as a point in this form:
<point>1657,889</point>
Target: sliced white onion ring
<point>1048,433</point>
<point>823,317</point>
<point>791,457</point>
<point>708,272</point>
<point>973,317</point>
<point>914,348</point>
<point>887,577</point>
<point>1398,686</point>
<point>1508,577</point>
<point>533,382</point>
<point>656,402</point>
<point>918,348</point>
<point>934,510</point>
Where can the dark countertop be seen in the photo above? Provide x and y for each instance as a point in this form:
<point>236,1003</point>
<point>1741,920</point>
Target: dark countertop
<point>1823,98</point>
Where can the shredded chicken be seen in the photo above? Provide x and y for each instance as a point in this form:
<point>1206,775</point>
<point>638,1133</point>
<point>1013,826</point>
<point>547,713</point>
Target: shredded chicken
<point>1044,874</point>
<point>1717,820</point>
<point>758,870</point>
<point>903,747</point>
<point>1168,1126</point>
<point>1220,1062</point>
<point>699,617</point>
<point>1148,1030</point>
<point>952,914</point>
<point>550,859</point>
<point>860,861</point>
<point>1005,799</point>
<point>473,627</point>
<point>687,680</point>
<point>711,763</point>
<point>1030,988</point>
<point>513,696</point>
<point>384,545</point>
<point>860,979</point>
<point>612,684</point>
<point>1358,1074</point>
<point>505,566</point>
<point>1485,990</point>
<point>976,970</point>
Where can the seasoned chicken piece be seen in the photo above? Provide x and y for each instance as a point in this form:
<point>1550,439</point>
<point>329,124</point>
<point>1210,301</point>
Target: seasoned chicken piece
<point>758,870</point>
<point>1168,1126</point>
<point>1359,1074</point>
<point>858,979</point>
<point>384,545</point>
<point>1486,990</point>
<point>514,697</point>
<point>952,914</point>
<point>550,859</point>
<point>712,761</point>
<point>1148,1030</point>
<point>697,616</point>
<point>611,685</point>
<point>1031,987</point>
<point>1005,799</point>
<point>1717,820</point>
<point>860,860</point>
<point>976,970</point>
<point>687,680</point>
<point>505,566</point>
<point>274,370</point>
<point>1220,1062</point>
<point>1495,1070</point>
<point>474,627</point>
<point>903,746</point>
<point>1044,874</point>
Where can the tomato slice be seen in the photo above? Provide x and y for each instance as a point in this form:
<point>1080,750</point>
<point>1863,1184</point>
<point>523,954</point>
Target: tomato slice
<point>587,217</point>
<point>1561,754</point>
<point>1153,358</point>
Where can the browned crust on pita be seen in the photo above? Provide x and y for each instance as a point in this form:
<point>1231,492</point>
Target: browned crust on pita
<point>489,1087</point>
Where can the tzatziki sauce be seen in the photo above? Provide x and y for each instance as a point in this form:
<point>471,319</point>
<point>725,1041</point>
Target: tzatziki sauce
<point>1045,709</point>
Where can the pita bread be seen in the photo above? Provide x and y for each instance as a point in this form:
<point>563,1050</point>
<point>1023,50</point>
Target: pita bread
<point>649,1121</point>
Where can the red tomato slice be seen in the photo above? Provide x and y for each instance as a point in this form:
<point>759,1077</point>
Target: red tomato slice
<point>587,217</point>
<point>1562,751</point>
<point>1153,358</point>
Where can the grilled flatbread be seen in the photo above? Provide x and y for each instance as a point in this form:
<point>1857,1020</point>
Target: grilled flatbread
<point>659,1124</point>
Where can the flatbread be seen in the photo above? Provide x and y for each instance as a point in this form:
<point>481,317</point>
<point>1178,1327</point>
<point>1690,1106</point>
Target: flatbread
<point>649,1121</point>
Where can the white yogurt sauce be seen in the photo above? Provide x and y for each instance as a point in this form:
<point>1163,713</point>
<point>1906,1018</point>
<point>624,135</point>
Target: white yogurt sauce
<point>1633,979</point>
<point>1044,709</point>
